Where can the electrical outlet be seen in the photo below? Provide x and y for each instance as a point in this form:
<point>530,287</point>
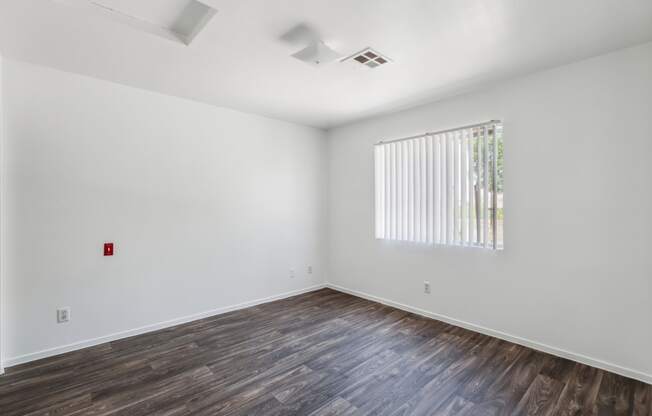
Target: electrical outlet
<point>291,273</point>
<point>63,315</point>
<point>426,287</point>
<point>309,269</point>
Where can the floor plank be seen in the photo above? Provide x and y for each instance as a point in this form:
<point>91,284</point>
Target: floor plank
<point>323,353</point>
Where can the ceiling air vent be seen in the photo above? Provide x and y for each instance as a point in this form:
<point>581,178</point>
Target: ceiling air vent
<point>369,58</point>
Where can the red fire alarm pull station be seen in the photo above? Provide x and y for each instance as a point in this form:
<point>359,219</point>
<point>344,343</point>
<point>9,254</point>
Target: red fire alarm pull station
<point>108,249</point>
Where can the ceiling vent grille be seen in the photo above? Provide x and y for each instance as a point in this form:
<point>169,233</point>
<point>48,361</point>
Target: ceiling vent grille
<point>369,58</point>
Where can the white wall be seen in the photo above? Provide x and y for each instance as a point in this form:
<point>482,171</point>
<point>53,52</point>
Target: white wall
<point>576,274</point>
<point>208,208</point>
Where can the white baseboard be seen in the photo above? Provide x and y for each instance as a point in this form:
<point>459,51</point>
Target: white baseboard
<point>627,372</point>
<point>21,359</point>
<point>614,368</point>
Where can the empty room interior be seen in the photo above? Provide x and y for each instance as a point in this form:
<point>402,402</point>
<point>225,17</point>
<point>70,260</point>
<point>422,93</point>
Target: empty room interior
<point>326,207</point>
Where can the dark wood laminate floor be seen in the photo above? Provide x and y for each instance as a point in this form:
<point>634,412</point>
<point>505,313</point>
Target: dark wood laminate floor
<point>323,353</point>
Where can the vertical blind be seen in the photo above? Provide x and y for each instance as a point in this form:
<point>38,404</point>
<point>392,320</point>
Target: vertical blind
<point>442,188</point>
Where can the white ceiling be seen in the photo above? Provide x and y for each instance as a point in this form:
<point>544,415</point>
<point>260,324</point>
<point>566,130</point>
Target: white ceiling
<point>439,48</point>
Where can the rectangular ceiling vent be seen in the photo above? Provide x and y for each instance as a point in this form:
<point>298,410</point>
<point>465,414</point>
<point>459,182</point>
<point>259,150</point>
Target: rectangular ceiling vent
<point>369,58</point>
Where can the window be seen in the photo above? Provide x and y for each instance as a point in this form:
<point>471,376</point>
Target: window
<point>442,188</point>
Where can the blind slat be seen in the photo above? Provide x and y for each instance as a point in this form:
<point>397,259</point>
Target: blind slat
<point>388,193</point>
<point>394,198</point>
<point>424,191</point>
<point>379,187</point>
<point>471,189</point>
<point>485,215</point>
<point>457,183</point>
<point>437,204</point>
<point>399,191</point>
<point>430,187</point>
<point>444,189</point>
<point>450,194</point>
<point>410,212</point>
<point>405,191</point>
<point>494,188</point>
<point>479,194</point>
<point>465,188</point>
<point>417,192</point>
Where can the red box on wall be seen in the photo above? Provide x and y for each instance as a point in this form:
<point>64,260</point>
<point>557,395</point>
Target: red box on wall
<point>108,249</point>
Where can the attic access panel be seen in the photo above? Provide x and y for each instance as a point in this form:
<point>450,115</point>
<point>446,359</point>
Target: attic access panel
<point>177,20</point>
